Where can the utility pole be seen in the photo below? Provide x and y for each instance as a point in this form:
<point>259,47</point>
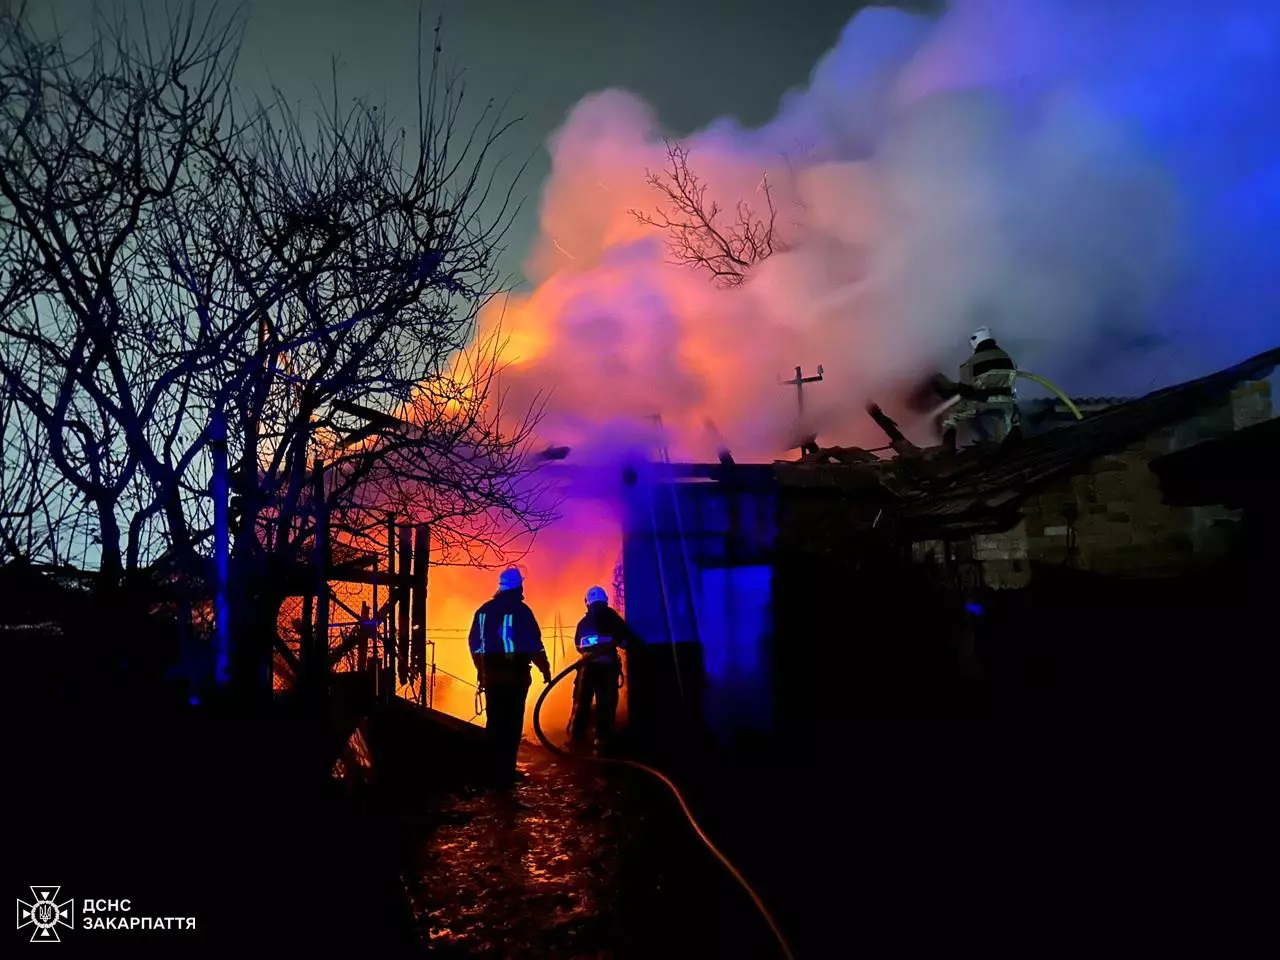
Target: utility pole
<point>798,381</point>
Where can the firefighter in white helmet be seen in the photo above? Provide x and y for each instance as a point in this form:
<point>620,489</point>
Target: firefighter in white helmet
<point>505,642</point>
<point>600,635</point>
<point>990,370</point>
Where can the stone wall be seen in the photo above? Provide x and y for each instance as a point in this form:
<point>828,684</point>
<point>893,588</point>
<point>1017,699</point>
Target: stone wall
<point>1005,557</point>
<point>1109,517</point>
<point>1251,404</point>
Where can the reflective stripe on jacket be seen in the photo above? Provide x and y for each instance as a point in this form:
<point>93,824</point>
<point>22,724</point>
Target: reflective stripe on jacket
<point>505,625</point>
<point>990,368</point>
<point>601,631</point>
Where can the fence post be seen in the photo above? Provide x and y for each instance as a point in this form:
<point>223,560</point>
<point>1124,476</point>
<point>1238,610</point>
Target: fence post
<point>403,620</point>
<point>389,641</point>
<point>418,604</point>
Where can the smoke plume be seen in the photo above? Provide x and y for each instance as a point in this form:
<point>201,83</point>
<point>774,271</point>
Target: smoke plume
<point>1098,182</point>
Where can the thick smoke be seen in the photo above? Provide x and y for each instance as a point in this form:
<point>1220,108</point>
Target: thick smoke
<point>1099,182</point>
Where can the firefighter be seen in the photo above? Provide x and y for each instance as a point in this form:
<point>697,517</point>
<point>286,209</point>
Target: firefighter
<point>992,371</point>
<point>505,641</point>
<point>601,633</point>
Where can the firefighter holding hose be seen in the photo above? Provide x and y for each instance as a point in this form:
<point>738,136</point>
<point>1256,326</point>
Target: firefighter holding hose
<point>990,373</point>
<point>601,633</point>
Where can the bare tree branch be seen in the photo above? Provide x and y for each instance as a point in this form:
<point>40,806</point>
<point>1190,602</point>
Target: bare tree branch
<point>98,141</point>
<point>342,259</point>
<point>695,234</point>
<point>169,252</point>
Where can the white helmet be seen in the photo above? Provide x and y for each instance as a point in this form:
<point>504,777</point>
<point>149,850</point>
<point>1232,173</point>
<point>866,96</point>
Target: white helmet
<point>596,595</point>
<point>978,336</point>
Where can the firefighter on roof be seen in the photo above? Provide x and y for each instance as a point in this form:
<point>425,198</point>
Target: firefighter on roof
<point>993,372</point>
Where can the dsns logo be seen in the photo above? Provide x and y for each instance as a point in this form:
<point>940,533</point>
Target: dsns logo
<point>45,914</point>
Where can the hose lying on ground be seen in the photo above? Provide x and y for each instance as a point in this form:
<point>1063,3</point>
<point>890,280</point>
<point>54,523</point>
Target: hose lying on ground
<point>684,806</point>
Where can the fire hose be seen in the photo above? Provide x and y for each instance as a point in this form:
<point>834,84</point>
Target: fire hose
<point>1054,389</point>
<point>955,392</point>
<point>684,806</point>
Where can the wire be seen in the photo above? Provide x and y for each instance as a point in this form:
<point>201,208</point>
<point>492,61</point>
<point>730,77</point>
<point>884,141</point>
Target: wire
<point>684,807</point>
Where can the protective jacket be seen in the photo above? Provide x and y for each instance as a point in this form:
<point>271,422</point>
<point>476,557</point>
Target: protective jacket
<point>990,368</point>
<point>993,372</point>
<point>504,630</point>
<point>602,632</point>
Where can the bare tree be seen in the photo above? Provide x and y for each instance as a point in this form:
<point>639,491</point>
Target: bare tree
<point>97,142</point>
<point>312,282</point>
<point>451,459</point>
<point>696,235</point>
<point>42,519</point>
<point>344,260</point>
<point>20,487</point>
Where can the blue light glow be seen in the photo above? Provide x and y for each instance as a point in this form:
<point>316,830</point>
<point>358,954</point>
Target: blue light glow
<point>1196,87</point>
<point>736,622</point>
<point>1202,83</point>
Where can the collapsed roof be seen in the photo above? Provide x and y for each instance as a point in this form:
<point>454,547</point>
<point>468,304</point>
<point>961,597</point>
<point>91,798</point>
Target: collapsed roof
<point>934,493</point>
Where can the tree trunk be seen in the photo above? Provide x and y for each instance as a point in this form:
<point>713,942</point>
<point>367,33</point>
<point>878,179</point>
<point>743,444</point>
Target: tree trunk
<point>254,596</point>
<point>111,561</point>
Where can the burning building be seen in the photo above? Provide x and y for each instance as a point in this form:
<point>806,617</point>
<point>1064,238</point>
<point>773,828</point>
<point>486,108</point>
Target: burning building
<point>906,575</point>
<point>932,168</point>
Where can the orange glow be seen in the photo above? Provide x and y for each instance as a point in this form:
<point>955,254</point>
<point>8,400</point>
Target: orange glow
<point>901,214</point>
<point>567,559</point>
<point>522,337</point>
<point>629,355</point>
<point>581,551</point>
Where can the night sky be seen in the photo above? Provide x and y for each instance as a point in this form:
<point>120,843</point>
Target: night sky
<point>693,60</point>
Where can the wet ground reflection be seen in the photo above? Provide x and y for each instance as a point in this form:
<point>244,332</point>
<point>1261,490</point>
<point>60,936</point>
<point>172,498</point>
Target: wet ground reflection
<point>531,871</point>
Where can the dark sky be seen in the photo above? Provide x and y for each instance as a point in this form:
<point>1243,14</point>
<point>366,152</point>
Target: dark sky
<point>693,60</point>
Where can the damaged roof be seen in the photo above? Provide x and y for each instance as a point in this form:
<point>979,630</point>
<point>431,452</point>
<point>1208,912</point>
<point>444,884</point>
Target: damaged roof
<point>933,493</point>
<point>980,488</point>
